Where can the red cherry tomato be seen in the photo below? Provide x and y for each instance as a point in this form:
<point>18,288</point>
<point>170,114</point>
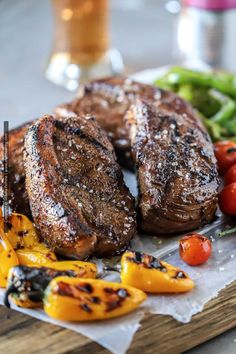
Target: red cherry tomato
<point>195,249</point>
<point>225,152</point>
<point>227,199</point>
<point>230,176</point>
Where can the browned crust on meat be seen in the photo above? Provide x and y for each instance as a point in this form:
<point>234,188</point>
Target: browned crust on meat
<point>176,169</point>
<point>109,99</point>
<point>17,195</point>
<point>77,195</point>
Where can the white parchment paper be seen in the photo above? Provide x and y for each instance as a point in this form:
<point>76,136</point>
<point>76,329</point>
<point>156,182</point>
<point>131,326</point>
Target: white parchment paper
<point>116,335</point>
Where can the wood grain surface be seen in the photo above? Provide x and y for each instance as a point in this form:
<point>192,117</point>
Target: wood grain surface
<point>20,334</point>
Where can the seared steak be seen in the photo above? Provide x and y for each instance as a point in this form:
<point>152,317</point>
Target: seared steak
<point>77,195</point>
<point>176,169</point>
<point>108,99</point>
<point>18,198</point>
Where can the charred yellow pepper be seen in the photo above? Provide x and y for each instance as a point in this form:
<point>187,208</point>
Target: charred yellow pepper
<point>33,258</point>
<point>25,241</point>
<point>71,299</point>
<point>26,285</point>
<point>8,259</point>
<point>80,268</point>
<point>147,273</point>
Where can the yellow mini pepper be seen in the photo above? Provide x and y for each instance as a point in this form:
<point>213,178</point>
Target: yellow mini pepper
<point>8,259</point>
<point>73,299</point>
<point>151,275</point>
<point>80,268</point>
<point>24,239</point>
<point>26,285</point>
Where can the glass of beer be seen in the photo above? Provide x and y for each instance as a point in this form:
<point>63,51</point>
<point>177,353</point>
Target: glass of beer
<point>81,48</point>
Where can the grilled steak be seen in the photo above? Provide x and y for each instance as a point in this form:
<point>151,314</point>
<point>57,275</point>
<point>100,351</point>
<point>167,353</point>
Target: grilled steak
<point>17,196</point>
<point>176,169</point>
<point>77,195</point>
<point>108,99</point>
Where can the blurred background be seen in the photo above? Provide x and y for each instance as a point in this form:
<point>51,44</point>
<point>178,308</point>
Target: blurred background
<point>141,30</point>
<point>147,34</point>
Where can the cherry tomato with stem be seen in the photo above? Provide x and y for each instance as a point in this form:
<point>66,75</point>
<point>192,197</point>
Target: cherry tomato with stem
<point>225,152</point>
<point>195,249</point>
<point>227,199</point>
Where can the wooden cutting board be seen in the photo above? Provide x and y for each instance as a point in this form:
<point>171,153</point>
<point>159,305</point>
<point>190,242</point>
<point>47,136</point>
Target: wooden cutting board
<point>20,334</point>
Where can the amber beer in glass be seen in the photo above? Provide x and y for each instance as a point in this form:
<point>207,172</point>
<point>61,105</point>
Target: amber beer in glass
<point>81,43</point>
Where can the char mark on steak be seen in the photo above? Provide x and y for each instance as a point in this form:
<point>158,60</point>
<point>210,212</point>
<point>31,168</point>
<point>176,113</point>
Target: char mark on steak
<point>77,194</point>
<point>176,169</point>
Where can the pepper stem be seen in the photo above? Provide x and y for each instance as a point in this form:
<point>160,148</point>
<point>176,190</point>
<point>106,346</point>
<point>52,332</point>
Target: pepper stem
<point>227,232</point>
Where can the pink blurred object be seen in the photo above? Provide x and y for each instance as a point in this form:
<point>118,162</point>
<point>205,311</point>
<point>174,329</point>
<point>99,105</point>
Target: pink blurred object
<point>213,5</point>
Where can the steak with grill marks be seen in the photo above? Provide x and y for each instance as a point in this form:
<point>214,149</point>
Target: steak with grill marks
<point>176,169</point>
<point>77,194</point>
<point>17,195</point>
<point>108,99</point>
